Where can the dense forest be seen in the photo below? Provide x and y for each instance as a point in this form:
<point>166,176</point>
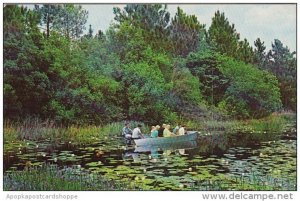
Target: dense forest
<point>148,66</point>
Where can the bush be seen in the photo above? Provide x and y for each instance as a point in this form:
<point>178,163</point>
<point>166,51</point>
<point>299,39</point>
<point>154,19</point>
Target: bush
<point>186,85</point>
<point>251,92</point>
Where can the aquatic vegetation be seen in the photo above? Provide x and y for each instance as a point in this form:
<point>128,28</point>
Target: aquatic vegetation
<point>51,178</point>
<point>216,162</point>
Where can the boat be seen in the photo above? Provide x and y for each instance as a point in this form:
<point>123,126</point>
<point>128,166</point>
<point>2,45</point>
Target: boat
<point>166,140</point>
<point>167,146</point>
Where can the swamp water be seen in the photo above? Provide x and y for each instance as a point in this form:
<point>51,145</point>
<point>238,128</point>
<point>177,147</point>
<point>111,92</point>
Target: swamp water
<point>214,162</point>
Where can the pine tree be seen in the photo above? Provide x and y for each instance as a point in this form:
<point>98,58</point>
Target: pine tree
<point>223,38</point>
<point>283,64</point>
<point>152,19</point>
<point>90,33</point>
<point>48,14</point>
<point>185,33</point>
<point>67,19</point>
<point>260,54</point>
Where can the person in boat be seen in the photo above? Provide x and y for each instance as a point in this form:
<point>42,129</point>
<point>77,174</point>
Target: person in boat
<point>154,133</point>
<point>167,132</point>
<point>161,130</point>
<point>137,133</point>
<point>181,130</point>
<point>152,129</point>
<point>126,131</point>
<point>176,129</point>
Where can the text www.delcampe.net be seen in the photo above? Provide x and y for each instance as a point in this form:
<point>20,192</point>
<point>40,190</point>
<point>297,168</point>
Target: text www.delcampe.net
<point>247,196</point>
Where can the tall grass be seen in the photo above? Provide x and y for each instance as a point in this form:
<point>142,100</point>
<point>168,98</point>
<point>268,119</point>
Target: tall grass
<point>274,123</point>
<point>35,130</point>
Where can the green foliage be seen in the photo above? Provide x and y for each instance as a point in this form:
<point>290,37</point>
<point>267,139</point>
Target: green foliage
<point>71,21</point>
<point>50,177</point>
<point>186,85</point>
<point>146,67</point>
<point>143,75</point>
<point>283,64</point>
<point>67,19</point>
<point>185,33</point>
<point>224,38</point>
<point>260,54</point>
<point>48,13</point>
<point>151,19</point>
<point>225,84</point>
<point>26,86</point>
<point>79,91</point>
<point>205,66</point>
<point>253,94</point>
<point>143,86</point>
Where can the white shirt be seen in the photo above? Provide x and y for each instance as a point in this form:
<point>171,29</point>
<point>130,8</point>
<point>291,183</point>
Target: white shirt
<point>181,131</point>
<point>136,133</point>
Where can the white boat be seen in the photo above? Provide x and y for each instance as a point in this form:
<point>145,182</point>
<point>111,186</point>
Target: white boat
<point>166,140</point>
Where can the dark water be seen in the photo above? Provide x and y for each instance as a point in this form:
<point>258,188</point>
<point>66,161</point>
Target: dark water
<point>214,162</point>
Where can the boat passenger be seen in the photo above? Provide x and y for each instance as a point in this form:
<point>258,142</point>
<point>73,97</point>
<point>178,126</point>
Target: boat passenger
<point>136,133</point>
<point>181,130</point>
<point>126,131</point>
<point>161,130</point>
<point>176,129</point>
<point>152,129</point>
<point>167,132</point>
<point>154,133</point>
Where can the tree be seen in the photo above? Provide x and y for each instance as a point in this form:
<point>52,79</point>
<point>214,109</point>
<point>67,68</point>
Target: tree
<point>100,35</point>
<point>48,13</point>
<point>79,90</point>
<point>26,85</point>
<point>240,89</point>
<point>67,19</point>
<point>283,64</point>
<point>223,38</point>
<point>147,16</point>
<point>205,66</point>
<point>185,85</point>
<point>71,21</point>
<point>253,94</point>
<point>260,54</point>
<point>245,52</point>
<point>90,33</point>
<point>152,19</point>
<point>186,33</point>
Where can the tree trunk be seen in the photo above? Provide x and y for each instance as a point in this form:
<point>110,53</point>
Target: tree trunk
<point>48,26</point>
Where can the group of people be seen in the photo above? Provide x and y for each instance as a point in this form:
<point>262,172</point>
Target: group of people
<point>156,131</point>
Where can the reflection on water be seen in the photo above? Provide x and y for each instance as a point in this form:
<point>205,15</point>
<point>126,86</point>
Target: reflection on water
<point>211,163</point>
